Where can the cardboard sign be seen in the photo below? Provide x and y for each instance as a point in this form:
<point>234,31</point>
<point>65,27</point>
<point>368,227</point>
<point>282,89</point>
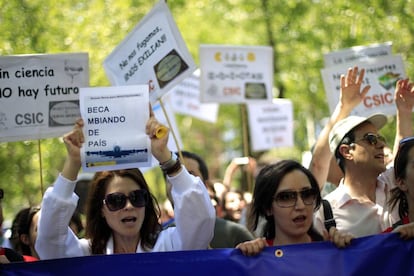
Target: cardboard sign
<point>39,94</point>
<point>154,53</point>
<point>236,74</point>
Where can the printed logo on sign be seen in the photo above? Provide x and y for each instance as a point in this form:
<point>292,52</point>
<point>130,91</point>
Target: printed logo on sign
<point>72,69</point>
<point>212,90</point>
<point>255,90</point>
<point>388,80</point>
<point>377,100</point>
<point>169,67</point>
<point>63,113</point>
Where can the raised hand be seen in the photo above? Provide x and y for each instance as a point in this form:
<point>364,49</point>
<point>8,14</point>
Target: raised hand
<point>404,96</point>
<point>73,142</point>
<point>351,94</point>
<point>404,101</point>
<point>158,142</point>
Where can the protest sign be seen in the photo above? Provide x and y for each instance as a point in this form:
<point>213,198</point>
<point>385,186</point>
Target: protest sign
<point>154,53</point>
<point>380,73</point>
<point>39,94</point>
<point>271,124</point>
<point>185,99</point>
<point>115,120</point>
<point>357,54</point>
<point>236,74</point>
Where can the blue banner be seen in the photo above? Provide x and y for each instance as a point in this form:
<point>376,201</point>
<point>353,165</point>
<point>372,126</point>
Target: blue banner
<point>384,254</point>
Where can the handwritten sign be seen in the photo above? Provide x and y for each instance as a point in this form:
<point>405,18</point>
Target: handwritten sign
<point>236,74</point>
<point>154,53</point>
<point>39,94</point>
<point>115,119</point>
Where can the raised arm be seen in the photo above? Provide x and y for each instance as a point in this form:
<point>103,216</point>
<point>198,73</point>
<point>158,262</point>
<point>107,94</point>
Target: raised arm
<point>55,239</point>
<point>350,96</point>
<point>73,142</point>
<point>159,143</point>
<point>404,100</point>
<point>193,211</point>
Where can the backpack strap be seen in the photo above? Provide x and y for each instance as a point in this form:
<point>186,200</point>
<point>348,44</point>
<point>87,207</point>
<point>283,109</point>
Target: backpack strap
<point>398,223</point>
<point>327,212</point>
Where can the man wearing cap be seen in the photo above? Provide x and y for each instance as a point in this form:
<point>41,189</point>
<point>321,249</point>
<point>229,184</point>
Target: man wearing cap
<point>360,203</point>
<point>351,95</point>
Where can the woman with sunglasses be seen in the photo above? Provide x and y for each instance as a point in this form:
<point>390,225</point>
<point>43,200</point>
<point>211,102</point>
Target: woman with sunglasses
<point>122,214</point>
<point>286,194</point>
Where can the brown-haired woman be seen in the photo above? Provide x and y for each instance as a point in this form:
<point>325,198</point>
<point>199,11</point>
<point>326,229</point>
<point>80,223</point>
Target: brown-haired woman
<point>122,214</point>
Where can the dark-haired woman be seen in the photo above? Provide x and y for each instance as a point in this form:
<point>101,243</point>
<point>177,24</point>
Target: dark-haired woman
<point>402,196</point>
<point>122,214</point>
<point>286,194</point>
<point>24,232</point>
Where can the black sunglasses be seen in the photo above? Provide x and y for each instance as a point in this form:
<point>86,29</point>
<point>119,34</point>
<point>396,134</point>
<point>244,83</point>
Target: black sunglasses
<point>373,138</point>
<point>287,199</point>
<point>117,201</point>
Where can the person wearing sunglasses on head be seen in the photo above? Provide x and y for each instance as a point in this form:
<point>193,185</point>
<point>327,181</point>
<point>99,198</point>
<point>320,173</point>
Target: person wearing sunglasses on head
<point>122,214</point>
<point>359,203</point>
<point>286,194</point>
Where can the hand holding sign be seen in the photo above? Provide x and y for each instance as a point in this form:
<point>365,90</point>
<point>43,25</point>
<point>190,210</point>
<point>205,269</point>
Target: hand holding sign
<point>161,132</point>
<point>73,142</point>
<point>159,138</point>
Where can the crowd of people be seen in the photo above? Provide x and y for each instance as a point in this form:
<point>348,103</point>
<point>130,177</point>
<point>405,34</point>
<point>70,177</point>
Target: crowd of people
<point>367,193</point>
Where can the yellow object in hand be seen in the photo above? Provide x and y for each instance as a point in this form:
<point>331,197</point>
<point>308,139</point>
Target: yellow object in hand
<point>161,132</point>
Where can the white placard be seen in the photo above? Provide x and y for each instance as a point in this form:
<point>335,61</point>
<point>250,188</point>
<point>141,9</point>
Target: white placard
<point>39,94</point>
<point>357,53</point>
<point>185,99</point>
<point>381,73</point>
<point>115,120</point>
<point>236,74</point>
<point>271,124</point>
<point>154,53</point>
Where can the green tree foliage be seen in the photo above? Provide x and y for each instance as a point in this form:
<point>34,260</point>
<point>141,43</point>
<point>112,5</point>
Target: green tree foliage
<point>300,32</point>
